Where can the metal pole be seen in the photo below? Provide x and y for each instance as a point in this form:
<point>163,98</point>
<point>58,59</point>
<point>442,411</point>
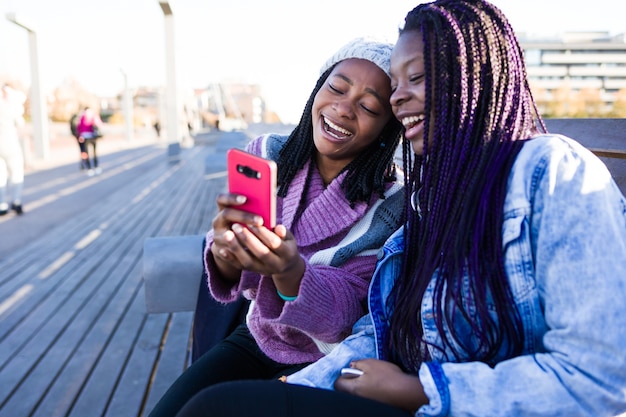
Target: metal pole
<point>128,109</point>
<point>38,108</point>
<point>171,94</point>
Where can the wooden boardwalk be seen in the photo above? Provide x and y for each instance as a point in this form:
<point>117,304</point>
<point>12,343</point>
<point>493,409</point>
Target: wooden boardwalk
<point>75,339</point>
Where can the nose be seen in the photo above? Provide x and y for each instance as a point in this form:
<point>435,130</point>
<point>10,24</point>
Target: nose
<point>344,108</point>
<point>399,96</point>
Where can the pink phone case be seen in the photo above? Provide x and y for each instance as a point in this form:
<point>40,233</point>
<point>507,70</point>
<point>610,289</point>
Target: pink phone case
<point>254,177</point>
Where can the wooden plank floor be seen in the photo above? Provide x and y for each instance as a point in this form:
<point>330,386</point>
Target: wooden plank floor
<point>75,339</point>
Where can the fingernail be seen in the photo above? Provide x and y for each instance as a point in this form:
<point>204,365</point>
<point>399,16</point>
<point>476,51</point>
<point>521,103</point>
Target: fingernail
<point>237,228</point>
<point>240,199</point>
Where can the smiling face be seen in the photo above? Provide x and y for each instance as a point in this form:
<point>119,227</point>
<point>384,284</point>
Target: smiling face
<point>409,87</point>
<point>349,113</point>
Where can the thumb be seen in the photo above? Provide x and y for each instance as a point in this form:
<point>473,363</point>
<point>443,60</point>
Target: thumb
<point>281,231</point>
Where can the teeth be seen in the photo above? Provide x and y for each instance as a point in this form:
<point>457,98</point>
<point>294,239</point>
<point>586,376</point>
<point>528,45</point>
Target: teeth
<point>412,120</point>
<point>337,128</point>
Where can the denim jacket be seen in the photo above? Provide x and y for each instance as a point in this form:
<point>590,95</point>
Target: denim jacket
<point>564,241</point>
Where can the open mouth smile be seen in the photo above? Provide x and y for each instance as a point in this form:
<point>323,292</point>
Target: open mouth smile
<point>413,126</point>
<point>335,131</point>
<point>411,121</point>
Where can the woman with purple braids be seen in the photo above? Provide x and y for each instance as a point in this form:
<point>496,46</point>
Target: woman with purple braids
<point>504,294</point>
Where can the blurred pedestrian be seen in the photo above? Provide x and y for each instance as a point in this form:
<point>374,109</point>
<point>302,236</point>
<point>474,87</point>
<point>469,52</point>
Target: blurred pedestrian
<point>157,128</point>
<point>11,154</point>
<point>74,120</point>
<point>89,129</point>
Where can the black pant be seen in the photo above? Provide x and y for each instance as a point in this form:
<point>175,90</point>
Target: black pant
<point>84,153</point>
<point>277,399</point>
<point>237,357</point>
<point>213,321</point>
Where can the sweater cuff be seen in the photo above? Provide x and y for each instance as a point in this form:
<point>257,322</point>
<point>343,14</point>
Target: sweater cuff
<point>435,386</point>
<point>222,290</point>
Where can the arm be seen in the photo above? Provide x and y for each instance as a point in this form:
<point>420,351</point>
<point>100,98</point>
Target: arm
<point>330,299</point>
<point>577,232</point>
<point>323,372</point>
<point>362,344</point>
<point>226,280</point>
<point>223,266</point>
<point>223,289</point>
<point>220,258</point>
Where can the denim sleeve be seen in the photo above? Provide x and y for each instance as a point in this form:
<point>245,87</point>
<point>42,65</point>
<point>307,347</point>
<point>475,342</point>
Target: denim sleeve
<point>577,237</point>
<point>324,372</point>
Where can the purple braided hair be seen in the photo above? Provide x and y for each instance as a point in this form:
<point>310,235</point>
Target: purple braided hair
<point>476,87</point>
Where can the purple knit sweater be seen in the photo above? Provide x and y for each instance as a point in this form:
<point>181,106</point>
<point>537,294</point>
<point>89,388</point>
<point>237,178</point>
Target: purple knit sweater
<point>331,298</point>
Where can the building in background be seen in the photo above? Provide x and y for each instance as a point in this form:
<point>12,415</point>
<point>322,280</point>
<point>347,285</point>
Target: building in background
<point>233,106</point>
<point>579,74</point>
<point>225,106</point>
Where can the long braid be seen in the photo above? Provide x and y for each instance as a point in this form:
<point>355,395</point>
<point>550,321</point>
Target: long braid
<point>367,173</point>
<point>476,87</point>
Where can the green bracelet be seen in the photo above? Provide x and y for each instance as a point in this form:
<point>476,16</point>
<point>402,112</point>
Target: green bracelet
<point>286,297</point>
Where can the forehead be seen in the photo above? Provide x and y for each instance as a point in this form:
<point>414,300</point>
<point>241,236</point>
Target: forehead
<point>361,73</point>
<point>408,48</point>
<point>356,67</point>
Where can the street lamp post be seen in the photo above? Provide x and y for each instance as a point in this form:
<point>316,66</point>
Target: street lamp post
<point>38,108</point>
<point>128,108</point>
<point>171,94</point>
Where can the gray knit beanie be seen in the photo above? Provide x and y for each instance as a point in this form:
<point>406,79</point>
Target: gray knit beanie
<point>371,50</point>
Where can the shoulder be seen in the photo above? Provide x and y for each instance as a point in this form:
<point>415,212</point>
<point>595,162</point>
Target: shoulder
<point>391,206</point>
<point>551,147</point>
<point>395,242</point>
<point>556,167</point>
<point>394,188</point>
<point>268,145</point>
<point>556,155</point>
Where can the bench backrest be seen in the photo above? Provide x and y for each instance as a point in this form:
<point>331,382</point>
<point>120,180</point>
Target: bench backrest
<point>605,137</point>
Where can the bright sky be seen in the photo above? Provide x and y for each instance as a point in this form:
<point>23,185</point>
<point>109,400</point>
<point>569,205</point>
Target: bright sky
<point>278,44</point>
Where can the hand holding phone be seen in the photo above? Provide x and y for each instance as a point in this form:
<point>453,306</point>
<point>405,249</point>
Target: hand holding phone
<point>255,178</point>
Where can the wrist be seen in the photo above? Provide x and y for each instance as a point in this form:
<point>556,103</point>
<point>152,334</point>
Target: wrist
<point>225,270</point>
<point>288,282</point>
<point>286,297</point>
<point>412,393</point>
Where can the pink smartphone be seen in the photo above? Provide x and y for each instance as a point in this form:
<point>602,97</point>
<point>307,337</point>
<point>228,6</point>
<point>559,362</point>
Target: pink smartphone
<point>255,178</point>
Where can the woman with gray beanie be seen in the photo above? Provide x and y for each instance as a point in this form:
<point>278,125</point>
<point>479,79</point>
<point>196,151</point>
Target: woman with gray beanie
<point>338,201</point>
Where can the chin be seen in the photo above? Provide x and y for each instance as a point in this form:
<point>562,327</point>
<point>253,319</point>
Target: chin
<point>418,146</point>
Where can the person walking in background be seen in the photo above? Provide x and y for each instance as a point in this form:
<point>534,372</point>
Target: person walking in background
<point>157,128</point>
<point>74,121</point>
<point>89,128</point>
<point>11,153</point>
